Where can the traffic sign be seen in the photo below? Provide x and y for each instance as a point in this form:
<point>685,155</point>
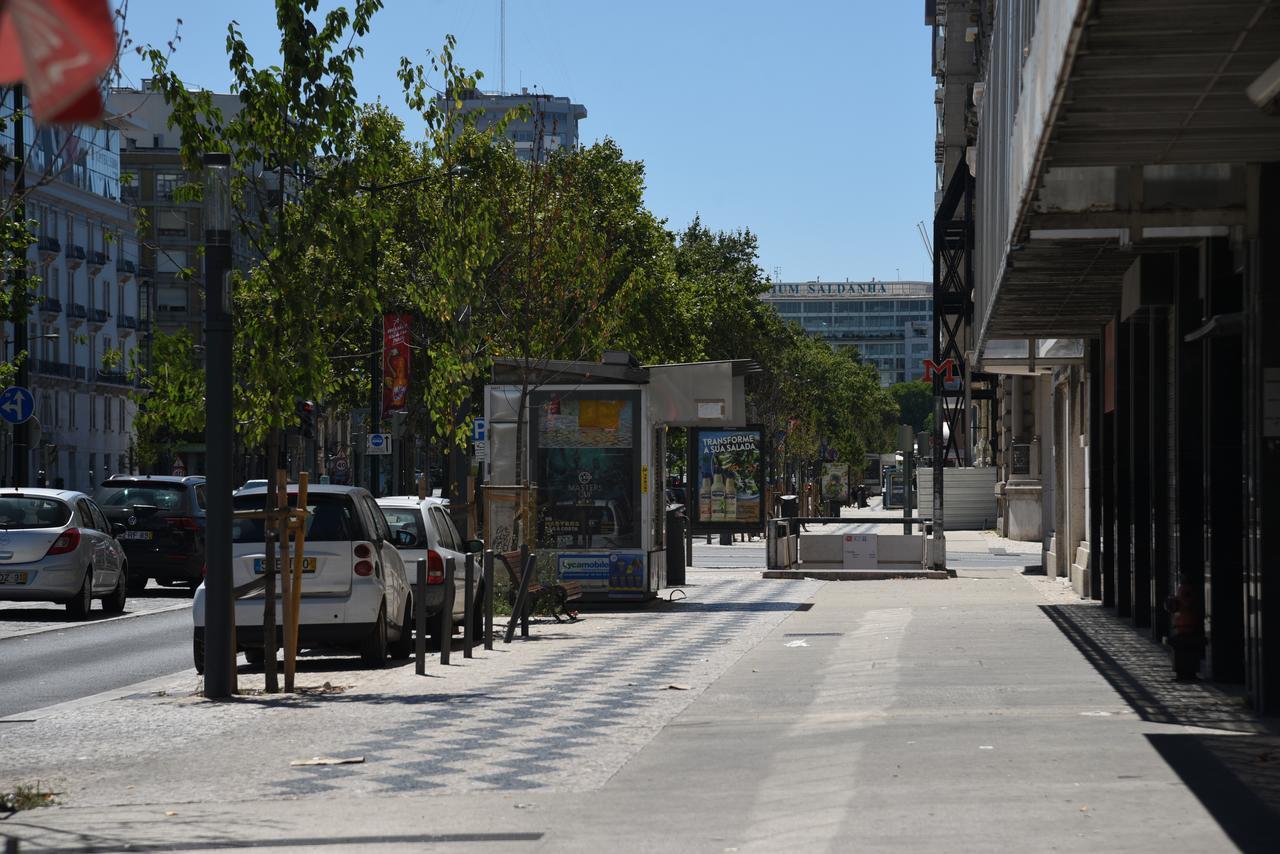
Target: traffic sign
<point>16,404</point>
<point>379,444</point>
<point>478,430</point>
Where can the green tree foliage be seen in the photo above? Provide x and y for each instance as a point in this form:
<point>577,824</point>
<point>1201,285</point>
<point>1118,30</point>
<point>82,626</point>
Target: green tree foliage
<point>915,402</point>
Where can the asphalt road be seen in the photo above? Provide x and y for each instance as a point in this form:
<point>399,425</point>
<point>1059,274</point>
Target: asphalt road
<point>42,669</point>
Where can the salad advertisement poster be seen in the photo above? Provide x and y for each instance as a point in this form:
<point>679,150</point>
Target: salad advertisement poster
<point>727,481</point>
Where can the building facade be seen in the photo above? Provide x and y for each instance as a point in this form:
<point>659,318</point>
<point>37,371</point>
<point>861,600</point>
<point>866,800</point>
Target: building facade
<point>1109,213</point>
<point>889,322</point>
<point>173,234</point>
<point>550,123</point>
<point>85,317</point>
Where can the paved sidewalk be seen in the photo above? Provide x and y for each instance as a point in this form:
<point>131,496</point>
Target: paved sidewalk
<point>991,711</point>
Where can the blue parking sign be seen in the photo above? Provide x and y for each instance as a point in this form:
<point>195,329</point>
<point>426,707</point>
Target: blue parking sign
<point>16,404</point>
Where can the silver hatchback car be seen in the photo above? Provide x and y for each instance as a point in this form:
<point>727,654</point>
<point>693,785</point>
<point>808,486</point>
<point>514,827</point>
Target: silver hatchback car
<point>57,546</point>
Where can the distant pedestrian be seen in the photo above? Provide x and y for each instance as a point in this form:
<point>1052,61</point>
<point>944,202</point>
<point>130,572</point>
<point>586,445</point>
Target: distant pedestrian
<point>1187,637</point>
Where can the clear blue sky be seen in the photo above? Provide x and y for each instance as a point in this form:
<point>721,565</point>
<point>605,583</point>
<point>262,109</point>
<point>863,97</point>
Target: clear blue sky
<point>809,122</point>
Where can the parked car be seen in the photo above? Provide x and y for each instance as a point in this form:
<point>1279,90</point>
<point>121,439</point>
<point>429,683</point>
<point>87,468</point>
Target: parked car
<point>423,529</point>
<point>164,526</point>
<point>355,594</point>
<point>57,546</point>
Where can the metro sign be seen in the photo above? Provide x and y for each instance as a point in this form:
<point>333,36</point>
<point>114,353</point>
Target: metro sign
<point>947,369</point>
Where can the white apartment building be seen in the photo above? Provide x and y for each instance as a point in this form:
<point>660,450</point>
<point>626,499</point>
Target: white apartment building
<point>84,320</point>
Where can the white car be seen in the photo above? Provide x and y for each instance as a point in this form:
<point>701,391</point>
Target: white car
<point>355,594</point>
<point>57,546</point>
<point>424,530</point>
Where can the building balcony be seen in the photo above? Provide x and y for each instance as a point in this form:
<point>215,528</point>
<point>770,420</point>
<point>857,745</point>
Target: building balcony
<point>145,274</point>
<point>50,308</point>
<point>126,324</point>
<point>96,261</point>
<point>97,318</point>
<point>125,270</point>
<point>75,256</point>
<point>61,370</point>
<point>114,377</point>
<point>49,248</point>
<point>76,314</point>
<point>1101,135</point>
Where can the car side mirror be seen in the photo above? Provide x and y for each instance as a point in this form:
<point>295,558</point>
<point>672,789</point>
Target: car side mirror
<point>473,546</point>
<point>406,539</point>
<point>117,528</point>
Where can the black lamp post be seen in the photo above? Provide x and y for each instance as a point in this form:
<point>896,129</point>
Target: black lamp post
<point>219,674</point>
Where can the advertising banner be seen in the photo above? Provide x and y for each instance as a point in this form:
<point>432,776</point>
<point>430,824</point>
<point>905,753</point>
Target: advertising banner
<point>835,482</point>
<point>396,358</point>
<point>727,479</point>
<point>587,467</point>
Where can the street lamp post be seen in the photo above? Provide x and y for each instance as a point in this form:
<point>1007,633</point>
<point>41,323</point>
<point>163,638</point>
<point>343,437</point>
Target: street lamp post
<point>219,676</point>
<point>21,432</point>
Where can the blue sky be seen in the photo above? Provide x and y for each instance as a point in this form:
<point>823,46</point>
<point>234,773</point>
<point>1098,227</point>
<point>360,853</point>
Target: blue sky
<point>809,122</point>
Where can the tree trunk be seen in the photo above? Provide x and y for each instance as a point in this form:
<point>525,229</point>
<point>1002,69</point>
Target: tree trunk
<point>269,569</point>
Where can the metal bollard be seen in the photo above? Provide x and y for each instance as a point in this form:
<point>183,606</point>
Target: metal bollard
<point>526,571</point>
<point>446,613</point>
<point>420,620</point>
<point>519,606</point>
<point>488,599</point>
<point>468,606</point>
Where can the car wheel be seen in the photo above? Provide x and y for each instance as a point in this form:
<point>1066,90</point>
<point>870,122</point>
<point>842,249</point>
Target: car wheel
<point>80,605</point>
<point>403,646</point>
<point>256,656</point>
<point>113,602</point>
<point>373,652</point>
<point>197,649</point>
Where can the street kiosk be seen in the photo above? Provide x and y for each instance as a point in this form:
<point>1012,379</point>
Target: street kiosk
<point>594,455</point>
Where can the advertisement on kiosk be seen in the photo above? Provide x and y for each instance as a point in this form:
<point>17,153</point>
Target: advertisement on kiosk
<point>587,467</point>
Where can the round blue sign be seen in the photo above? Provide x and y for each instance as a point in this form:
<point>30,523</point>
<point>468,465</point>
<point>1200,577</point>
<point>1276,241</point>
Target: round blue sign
<point>16,404</point>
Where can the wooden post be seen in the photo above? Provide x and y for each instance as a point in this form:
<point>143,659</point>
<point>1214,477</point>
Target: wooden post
<point>281,523</point>
<point>297,522</point>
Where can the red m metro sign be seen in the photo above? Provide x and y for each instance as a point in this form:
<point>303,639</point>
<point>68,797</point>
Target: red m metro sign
<point>947,369</point>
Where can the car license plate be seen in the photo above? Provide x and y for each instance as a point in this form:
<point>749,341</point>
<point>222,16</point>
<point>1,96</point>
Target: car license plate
<point>308,565</point>
<point>137,535</point>
<point>13,578</point>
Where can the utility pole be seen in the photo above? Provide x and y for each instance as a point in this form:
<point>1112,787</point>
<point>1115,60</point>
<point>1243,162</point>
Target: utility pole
<point>21,432</point>
<point>219,655</point>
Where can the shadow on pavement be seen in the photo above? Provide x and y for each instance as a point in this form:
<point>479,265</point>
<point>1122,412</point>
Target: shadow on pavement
<point>1236,779</point>
<point>1235,775</point>
<point>1141,672</point>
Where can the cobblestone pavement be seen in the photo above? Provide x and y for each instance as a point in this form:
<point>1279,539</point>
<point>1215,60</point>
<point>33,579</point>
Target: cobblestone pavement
<point>563,710</point>
<point>26,618</point>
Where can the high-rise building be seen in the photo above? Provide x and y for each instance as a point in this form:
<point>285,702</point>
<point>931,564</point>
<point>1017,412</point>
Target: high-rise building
<point>889,322</point>
<point>85,317</point>
<point>550,122</point>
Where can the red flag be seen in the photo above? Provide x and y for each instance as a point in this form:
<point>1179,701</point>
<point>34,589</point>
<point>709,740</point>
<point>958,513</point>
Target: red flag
<point>59,48</point>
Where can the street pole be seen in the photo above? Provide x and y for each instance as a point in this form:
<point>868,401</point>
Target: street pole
<point>21,432</point>
<point>375,380</point>
<point>220,606</point>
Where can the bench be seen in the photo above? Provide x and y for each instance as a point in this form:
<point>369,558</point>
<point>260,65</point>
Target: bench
<point>556,597</point>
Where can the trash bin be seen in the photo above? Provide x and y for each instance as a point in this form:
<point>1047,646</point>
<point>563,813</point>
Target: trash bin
<point>675,545</point>
<point>790,510</point>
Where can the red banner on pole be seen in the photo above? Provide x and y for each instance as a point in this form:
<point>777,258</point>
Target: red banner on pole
<point>60,48</point>
<point>395,362</point>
